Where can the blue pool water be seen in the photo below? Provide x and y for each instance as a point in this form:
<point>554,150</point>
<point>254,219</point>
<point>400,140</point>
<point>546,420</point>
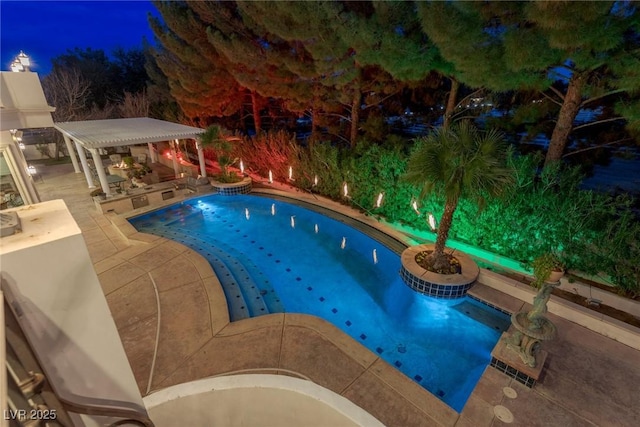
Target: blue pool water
<point>272,256</point>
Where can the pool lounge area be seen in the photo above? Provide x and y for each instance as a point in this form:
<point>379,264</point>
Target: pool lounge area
<point>197,340</point>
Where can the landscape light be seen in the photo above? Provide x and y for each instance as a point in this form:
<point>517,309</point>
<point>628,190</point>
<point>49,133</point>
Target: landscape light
<point>432,222</point>
<point>270,177</point>
<point>414,205</point>
<point>345,190</point>
<point>315,180</point>
<point>290,173</point>
<point>379,200</point>
<point>241,167</point>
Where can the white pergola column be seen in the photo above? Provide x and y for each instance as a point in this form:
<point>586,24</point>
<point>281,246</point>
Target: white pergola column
<point>97,161</point>
<point>203,166</point>
<point>153,154</point>
<point>174,158</point>
<point>72,153</point>
<point>85,165</point>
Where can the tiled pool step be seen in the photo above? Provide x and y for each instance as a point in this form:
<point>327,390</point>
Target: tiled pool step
<point>245,298</point>
<point>256,289</point>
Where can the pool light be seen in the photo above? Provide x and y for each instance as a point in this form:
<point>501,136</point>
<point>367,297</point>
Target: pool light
<point>273,209</point>
<point>343,244</point>
<point>315,228</point>
<point>293,221</point>
<point>246,213</point>
<point>375,256</point>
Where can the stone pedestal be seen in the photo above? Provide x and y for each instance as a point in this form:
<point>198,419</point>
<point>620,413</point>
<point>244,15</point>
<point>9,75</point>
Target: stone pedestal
<point>509,362</point>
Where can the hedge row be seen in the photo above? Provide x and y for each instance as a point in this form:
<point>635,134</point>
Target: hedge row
<point>545,210</point>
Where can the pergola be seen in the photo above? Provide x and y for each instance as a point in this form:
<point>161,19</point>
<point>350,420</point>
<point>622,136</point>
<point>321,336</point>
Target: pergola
<point>92,135</point>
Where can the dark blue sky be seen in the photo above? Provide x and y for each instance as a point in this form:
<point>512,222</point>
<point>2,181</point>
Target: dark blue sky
<point>46,29</point>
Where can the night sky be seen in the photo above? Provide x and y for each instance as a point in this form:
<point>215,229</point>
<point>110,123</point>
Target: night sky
<point>46,29</point>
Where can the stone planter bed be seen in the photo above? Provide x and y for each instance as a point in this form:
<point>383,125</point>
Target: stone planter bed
<point>434,284</point>
<point>233,188</point>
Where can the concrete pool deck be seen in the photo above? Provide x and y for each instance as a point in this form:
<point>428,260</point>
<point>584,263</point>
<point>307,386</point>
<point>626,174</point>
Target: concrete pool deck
<point>589,379</point>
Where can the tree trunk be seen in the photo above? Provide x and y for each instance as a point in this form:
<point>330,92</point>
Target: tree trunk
<point>257,120</point>
<point>443,234</point>
<point>564,125</point>
<point>355,116</point>
<point>452,100</point>
<point>315,134</point>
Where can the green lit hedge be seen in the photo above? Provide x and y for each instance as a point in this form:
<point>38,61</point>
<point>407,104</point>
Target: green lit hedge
<point>595,233</point>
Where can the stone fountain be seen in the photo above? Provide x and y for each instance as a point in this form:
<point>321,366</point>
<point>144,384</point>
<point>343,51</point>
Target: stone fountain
<point>532,327</point>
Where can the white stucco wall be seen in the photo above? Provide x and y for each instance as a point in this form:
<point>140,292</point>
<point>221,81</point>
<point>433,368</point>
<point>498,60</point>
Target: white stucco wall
<point>47,272</point>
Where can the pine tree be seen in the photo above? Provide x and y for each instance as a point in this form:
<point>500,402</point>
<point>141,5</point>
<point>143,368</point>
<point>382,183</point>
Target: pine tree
<point>197,74</point>
<point>522,45</point>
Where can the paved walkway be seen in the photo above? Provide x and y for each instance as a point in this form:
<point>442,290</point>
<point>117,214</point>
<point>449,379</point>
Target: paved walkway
<point>590,380</point>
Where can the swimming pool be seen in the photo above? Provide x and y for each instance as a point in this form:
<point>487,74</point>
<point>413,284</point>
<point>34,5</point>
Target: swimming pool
<point>273,256</point>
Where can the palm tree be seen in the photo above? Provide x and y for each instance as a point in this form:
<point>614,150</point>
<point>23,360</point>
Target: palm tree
<point>455,162</point>
<point>215,138</point>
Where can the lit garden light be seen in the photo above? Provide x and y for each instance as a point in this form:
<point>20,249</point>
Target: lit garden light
<point>379,200</point>
<point>241,167</point>
<point>414,206</point>
<point>345,190</point>
<point>270,177</point>
<point>432,222</point>
<point>290,173</point>
<point>315,180</point>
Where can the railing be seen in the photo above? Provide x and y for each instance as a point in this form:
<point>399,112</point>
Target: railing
<point>32,401</point>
